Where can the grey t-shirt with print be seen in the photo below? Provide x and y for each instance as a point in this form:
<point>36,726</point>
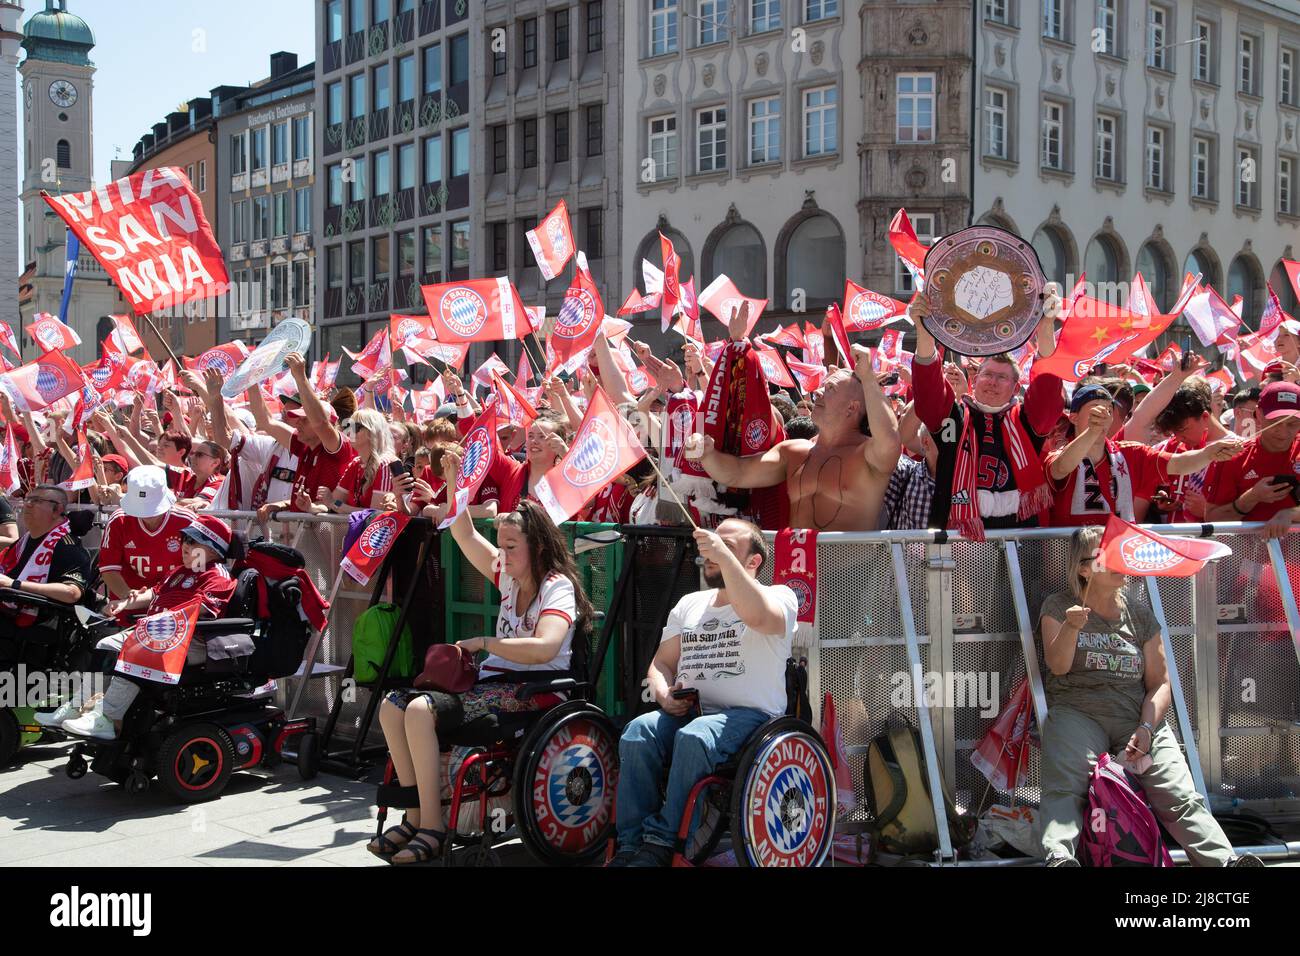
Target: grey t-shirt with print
<point>1107,676</point>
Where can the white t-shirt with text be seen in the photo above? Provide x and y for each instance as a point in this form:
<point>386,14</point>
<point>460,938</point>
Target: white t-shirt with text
<point>554,597</point>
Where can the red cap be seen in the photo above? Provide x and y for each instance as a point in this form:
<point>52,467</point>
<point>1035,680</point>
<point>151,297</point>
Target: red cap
<point>211,532</point>
<point>116,460</point>
<point>1279,399</point>
<point>1274,368</point>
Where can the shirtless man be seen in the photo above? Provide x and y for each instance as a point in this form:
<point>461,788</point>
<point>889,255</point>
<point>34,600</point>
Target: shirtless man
<point>837,480</point>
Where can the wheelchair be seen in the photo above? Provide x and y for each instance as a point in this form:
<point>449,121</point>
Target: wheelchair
<point>220,718</point>
<point>547,775</point>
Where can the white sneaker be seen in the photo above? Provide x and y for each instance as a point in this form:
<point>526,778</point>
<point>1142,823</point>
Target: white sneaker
<point>54,720</point>
<point>91,725</point>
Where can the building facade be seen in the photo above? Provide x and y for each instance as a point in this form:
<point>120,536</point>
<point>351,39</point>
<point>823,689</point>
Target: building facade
<point>58,96</point>
<point>1130,136</point>
<point>265,175</point>
<point>11,263</point>
<point>186,139</point>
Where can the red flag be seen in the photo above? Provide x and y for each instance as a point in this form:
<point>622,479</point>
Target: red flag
<point>451,354</point>
<point>1002,754</point>
<point>689,323</point>
<point>774,369</point>
<point>10,479</point>
<point>1140,301</point>
<point>518,409</point>
<point>1273,314</point>
<point>671,282</point>
<point>1094,331</point>
<point>376,358</point>
<point>109,372</point>
<point>477,310</point>
<point>43,382</point>
<point>636,303</point>
<point>1128,549</point>
<point>552,241</point>
<point>638,379</point>
<point>525,373</point>
<point>483,374</point>
<point>866,311</point>
<point>51,334</point>
<point>224,358</point>
<point>482,450</point>
<point>84,475</point>
<point>149,233</point>
<point>367,553</point>
<point>814,349</point>
<point>1256,352</point>
<point>124,335</point>
<point>1221,380</point>
<point>1293,273</point>
<point>155,650</point>
<point>846,797</point>
<point>1212,319</point>
<point>577,324</point>
<point>722,298</point>
<point>7,338</point>
<point>888,355</point>
<point>143,376</point>
<point>324,374</point>
<point>903,238</point>
<point>1170,357</point>
<point>795,565</point>
<point>410,331</point>
<point>615,331</point>
<point>791,337</point>
<point>810,377</point>
<point>603,449</point>
<point>838,333</point>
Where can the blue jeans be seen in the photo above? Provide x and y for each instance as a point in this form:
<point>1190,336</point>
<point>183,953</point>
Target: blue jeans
<point>696,746</point>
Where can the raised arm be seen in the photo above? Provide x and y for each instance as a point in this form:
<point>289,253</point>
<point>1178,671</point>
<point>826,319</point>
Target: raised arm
<point>754,603</point>
<point>278,430</point>
<point>1073,454</point>
<point>755,471</point>
<point>312,406</point>
<point>611,377</point>
<point>881,452</point>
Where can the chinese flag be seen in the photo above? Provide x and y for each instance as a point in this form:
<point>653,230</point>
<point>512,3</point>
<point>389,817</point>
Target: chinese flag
<point>721,298</point>
<point>477,310</point>
<point>40,384</point>
<point>1128,549</point>
<point>1094,331</point>
<point>155,650</point>
<point>367,553</point>
<point>552,241</point>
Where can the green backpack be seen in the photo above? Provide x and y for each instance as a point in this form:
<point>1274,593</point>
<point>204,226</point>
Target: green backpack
<point>370,636</point>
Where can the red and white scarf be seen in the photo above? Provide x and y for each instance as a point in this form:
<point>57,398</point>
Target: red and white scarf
<point>1031,480</point>
<point>1120,500</point>
<point>35,571</point>
<point>261,487</point>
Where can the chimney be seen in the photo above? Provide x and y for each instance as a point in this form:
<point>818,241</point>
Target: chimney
<point>282,63</point>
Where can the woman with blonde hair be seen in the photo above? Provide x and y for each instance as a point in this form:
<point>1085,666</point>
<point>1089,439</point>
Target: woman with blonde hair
<point>368,481</point>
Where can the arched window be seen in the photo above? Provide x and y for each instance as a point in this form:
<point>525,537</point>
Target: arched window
<point>1153,263</point>
<point>1199,261</point>
<point>650,249</point>
<point>1052,255</point>
<point>739,254</point>
<point>1281,284</point>
<point>814,262</point>
<point>1244,281</point>
<point>63,154</point>
<point>1101,262</point>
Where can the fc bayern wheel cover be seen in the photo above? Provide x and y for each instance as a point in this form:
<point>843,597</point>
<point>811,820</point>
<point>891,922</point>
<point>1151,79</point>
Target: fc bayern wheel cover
<point>791,810</point>
<point>573,785</point>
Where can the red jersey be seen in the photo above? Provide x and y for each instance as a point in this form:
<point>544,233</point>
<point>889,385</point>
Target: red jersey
<point>1226,481</point>
<point>181,481</point>
<point>612,504</point>
<point>318,468</point>
<point>360,493</point>
<point>1147,471</point>
<point>213,586</point>
<point>144,558</point>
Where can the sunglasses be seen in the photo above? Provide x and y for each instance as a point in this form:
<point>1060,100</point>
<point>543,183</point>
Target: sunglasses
<point>49,501</point>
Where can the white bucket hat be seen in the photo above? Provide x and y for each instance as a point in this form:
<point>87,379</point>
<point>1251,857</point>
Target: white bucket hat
<point>147,494</point>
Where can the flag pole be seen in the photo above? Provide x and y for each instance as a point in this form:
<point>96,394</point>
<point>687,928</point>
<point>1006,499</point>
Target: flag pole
<point>681,504</point>
<point>163,342</point>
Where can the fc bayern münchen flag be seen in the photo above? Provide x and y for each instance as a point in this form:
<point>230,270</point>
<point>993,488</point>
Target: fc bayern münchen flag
<point>155,650</point>
<point>1128,549</point>
<point>373,544</point>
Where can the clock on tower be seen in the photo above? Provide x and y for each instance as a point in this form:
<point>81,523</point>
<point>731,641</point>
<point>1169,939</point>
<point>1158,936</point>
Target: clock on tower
<point>63,93</point>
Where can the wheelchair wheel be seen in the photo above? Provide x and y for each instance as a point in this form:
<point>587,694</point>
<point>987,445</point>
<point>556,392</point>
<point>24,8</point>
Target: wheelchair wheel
<point>308,755</point>
<point>783,798</point>
<point>10,736</point>
<point>195,762</point>
<point>711,811</point>
<point>565,777</point>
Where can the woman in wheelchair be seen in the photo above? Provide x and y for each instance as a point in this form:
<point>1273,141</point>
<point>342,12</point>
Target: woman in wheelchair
<point>540,601</point>
<point>205,545</point>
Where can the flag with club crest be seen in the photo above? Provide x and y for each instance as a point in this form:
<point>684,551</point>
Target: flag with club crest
<point>10,479</point>
<point>367,553</point>
<point>84,474</point>
<point>125,338</point>
<point>721,298</point>
<point>774,369</point>
<point>908,248</point>
<point>1002,755</point>
<point>1129,549</point>
<point>224,358</point>
<point>7,338</point>
<point>324,374</point>
<point>155,649</point>
<point>671,291</point>
<point>477,310</point>
<point>481,452</point>
<point>43,382</point>
<point>518,409</point>
<point>577,324</point>
<point>866,311</point>
<point>791,337</point>
<point>1212,319</point>
<point>552,241</point>
<point>810,377</point>
<point>51,335</point>
<point>482,377</point>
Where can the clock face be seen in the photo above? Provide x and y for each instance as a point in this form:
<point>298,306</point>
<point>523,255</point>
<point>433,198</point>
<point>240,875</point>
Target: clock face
<point>63,93</point>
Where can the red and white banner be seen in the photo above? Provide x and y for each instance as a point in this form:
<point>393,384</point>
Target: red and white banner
<point>814,349</point>
<point>839,333</point>
<point>519,410</point>
<point>1128,549</point>
<point>722,298</point>
<point>1002,754</point>
<point>637,378</point>
<point>688,321</point>
<point>477,310</point>
<point>149,233</point>
<point>375,359</point>
<point>51,334</point>
<point>846,799</point>
<point>367,553</point>
<point>636,303</point>
<point>410,331</point>
<point>40,384</point>
<point>324,374</point>
<point>1212,319</point>
<point>10,479</point>
<point>7,338</point>
<point>810,377</point>
<point>84,475</point>
<point>481,451</point>
<point>903,238</point>
<point>552,241</point>
<point>603,449</point>
<point>524,374</point>
<point>577,324</point>
<point>483,374</point>
<point>124,335</point>
<point>451,354</point>
<point>791,337</point>
<point>866,311</point>
<point>795,565</point>
<point>224,358</point>
<point>155,650</point>
<point>615,330</point>
<point>671,288</point>
<point>774,369</point>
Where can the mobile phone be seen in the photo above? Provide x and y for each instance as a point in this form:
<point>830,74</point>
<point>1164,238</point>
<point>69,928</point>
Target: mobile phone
<point>397,468</point>
<point>1186,361</point>
<point>890,379</point>
<point>685,693</point>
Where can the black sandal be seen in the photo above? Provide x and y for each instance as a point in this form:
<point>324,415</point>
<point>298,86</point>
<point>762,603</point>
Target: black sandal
<point>424,850</point>
<point>384,847</point>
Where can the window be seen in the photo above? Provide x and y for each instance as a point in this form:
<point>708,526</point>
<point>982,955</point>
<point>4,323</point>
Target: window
<point>711,140</point>
<point>528,143</point>
<point>302,209</point>
<point>280,285</point>
<point>739,254</point>
<point>458,60</point>
<point>594,245</point>
<point>280,219</point>
<point>334,196</point>
<point>356,16</point>
<point>189,171</point>
<point>279,144</point>
<point>406,78</point>
<point>1285,185</point>
<point>261,217</point>
<point>334,103</point>
<point>1201,158</point>
<point>595,130</point>
<point>433,68</point>
<point>460,245</point>
<point>1104,167</point>
<point>663,27</point>
<point>380,251</point>
<point>383,178</point>
<point>1247,177</point>
<point>560,34</point>
<point>1157,29</point>
<point>359,189</point>
<point>1156,158</point>
<point>1155,269</point>
<point>995,123</point>
<point>432,239</point>
<point>820,9</point>
<point>1202,56</point>
<point>663,147</point>
<point>996,10</point>
<point>203,175</point>
<point>499,145</point>
<point>302,138</point>
<point>382,12</point>
<point>915,107</point>
<point>1101,264</point>
<point>433,159</point>
<point>1286,76</point>
<point>301,283</point>
<point>239,153</point>
<point>595,25</point>
<point>357,96</point>
<point>528,41</point>
<point>498,58</point>
<point>406,174</point>
<point>1051,254</point>
<point>460,151</point>
<point>923,225</point>
<point>382,90</point>
<point>63,153</point>
<point>764,15</point>
<point>1246,65</point>
<point>765,130</point>
<point>239,225</point>
<point>713,21</point>
<point>259,148</point>
<point>1108,24</point>
<point>560,137</point>
<point>334,267</point>
<point>406,253</point>
<point>1054,19</point>
<point>333,21</point>
<point>356,263</point>
<point>820,121</point>
<point>500,246</point>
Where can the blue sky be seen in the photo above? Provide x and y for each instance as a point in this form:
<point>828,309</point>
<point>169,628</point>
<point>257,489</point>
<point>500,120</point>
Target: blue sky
<point>149,57</point>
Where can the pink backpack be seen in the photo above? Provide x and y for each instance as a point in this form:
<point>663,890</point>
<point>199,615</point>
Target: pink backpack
<point>1119,828</point>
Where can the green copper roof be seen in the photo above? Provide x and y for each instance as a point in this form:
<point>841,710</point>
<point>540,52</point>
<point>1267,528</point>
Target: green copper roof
<point>55,34</point>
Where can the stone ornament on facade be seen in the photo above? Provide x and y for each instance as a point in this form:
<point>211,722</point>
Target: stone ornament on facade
<point>1205,108</point>
<point>1290,130</point>
<point>1000,55</point>
<point>661,84</point>
<point>916,178</point>
<point>917,36</point>
<point>1160,97</point>
<point>1057,71</point>
<point>710,71</point>
<point>760,64</point>
<point>816,52</point>
<point>1110,84</point>
<point>1249,119</point>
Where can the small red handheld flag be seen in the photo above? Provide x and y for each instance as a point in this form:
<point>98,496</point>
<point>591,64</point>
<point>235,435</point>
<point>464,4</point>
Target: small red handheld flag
<point>40,384</point>
<point>578,322</point>
<point>155,650</point>
<point>866,311</point>
<point>1002,754</point>
<point>721,298</point>
<point>482,450</point>
<point>373,544</point>
<point>552,241</point>
<point>51,334</point>
<point>477,310</point>
<point>1128,549</point>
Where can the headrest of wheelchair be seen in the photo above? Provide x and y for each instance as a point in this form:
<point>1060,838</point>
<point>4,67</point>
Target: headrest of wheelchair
<point>80,522</point>
<point>291,557</point>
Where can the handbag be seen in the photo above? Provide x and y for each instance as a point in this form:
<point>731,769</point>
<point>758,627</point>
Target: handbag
<point>448,668</point>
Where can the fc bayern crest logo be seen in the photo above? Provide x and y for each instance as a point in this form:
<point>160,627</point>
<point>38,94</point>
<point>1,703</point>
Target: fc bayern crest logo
<point>50,382</point>
<point>555,233</point>
<point>464,311</point>
<point>573,784</point>
<point>595,456</point>
<point>802,592</point>
<point>160,634</point>
<point>730,305</point>
<point>408,329</point>
<point>866,311</point>
<point>48,334</point>
<point>475,463</point>
<point>756,434</point>
<point>576,314</point>
<point>1143,555</point>
<point>377,538</point>
<point>219,361</point>
<point>789,789</point>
